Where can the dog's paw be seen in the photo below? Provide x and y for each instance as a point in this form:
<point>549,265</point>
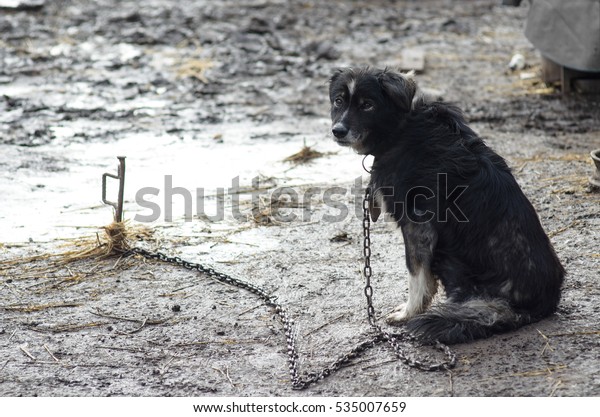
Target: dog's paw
<point>399,316</point>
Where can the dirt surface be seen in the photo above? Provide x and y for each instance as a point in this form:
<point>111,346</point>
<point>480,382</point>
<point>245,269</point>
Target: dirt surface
<point>210,90</point>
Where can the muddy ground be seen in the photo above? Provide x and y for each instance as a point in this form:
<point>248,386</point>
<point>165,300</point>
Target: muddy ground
<point>211,90</point>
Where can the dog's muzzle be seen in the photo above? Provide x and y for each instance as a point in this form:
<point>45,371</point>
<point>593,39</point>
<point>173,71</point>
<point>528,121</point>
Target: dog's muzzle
<point>339,130</point>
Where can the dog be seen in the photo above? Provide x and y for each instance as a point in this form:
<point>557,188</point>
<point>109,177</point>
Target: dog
<point>465,221</point>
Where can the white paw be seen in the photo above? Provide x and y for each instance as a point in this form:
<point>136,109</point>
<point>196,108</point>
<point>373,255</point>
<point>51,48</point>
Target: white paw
<point>399,316</point>
<point>401,307</point>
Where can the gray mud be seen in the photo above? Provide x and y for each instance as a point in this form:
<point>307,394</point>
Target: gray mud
<point>211,88</point>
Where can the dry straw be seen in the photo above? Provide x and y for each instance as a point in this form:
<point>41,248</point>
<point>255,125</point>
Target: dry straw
<point>115,241</point>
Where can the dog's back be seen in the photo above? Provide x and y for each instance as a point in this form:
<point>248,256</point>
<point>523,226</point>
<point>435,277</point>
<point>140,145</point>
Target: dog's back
<point>498,267</point>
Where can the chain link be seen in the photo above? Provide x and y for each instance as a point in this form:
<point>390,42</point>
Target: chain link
<point>394,339</point>
<point>288,323</point>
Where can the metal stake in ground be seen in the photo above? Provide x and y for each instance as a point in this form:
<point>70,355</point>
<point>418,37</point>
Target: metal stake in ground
<point>121,177</point>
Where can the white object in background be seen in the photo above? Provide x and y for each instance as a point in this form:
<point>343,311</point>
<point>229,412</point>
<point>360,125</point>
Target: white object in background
<point>517,62</point>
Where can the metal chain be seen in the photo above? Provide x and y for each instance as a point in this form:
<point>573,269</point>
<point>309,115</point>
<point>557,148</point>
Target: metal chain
<point>271,301</point>
<point>288,323</point>
<point>394,339</point>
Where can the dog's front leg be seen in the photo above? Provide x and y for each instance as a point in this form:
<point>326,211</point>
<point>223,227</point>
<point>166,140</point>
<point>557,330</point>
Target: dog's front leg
<point>422,287</point>
<point>419,241</point>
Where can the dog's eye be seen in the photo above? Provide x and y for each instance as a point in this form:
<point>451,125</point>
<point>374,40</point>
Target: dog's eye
<point>367,106</point>
<point>338,102</point>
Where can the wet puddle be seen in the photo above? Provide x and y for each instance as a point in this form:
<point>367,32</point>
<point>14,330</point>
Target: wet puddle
<point>171,182</point>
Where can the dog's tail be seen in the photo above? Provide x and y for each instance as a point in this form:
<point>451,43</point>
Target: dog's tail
<point>462,322</point>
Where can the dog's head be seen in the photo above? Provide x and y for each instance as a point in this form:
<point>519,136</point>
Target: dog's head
<point>366,104</point>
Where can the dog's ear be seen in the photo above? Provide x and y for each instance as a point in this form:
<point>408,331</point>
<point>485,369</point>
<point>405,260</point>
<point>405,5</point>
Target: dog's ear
<point>337,73</point>
<point>399,88</point>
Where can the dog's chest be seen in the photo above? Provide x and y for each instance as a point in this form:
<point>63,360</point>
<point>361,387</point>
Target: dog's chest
<point>379,208</point>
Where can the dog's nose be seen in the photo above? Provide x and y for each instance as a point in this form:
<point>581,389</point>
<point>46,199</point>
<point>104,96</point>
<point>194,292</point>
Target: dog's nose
<point>339,130</point>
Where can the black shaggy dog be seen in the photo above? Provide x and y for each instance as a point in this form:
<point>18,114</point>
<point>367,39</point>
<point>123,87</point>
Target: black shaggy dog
<point>464,219</point>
